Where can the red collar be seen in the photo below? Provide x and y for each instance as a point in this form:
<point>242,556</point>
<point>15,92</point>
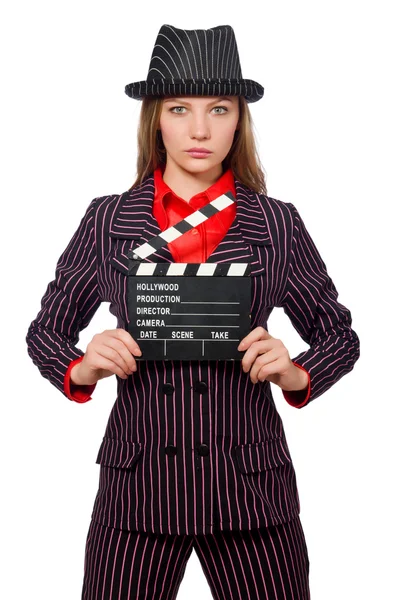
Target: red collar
<point>198,243</point>
<point>223,184</point>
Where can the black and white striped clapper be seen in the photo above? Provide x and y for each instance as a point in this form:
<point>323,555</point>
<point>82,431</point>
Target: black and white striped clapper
<point>188,311</point>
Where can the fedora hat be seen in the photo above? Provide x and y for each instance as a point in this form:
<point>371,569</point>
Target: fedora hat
<point>195,62</point>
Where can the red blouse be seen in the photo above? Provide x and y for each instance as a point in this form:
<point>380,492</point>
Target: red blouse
<point>194,246</point>
<point>198,243</point>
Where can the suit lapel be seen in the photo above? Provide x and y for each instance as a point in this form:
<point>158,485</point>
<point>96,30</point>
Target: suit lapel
<point>133,224</point>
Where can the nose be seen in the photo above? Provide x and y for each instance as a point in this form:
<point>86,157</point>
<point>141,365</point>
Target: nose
<point>199,127</point>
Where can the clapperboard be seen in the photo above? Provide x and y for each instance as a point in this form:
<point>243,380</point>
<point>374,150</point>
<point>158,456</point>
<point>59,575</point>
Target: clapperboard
<point>188,311</point>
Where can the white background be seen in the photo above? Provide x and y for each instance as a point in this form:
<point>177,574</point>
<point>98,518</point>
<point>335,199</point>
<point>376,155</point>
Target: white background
<point>326,131</point>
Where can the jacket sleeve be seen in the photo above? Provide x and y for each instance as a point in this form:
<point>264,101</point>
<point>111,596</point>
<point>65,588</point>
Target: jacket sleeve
<point>67,307</point>
<point>311,302</point>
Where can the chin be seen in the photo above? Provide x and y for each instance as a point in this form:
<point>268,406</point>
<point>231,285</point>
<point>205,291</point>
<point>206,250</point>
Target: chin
<point>198,165</point>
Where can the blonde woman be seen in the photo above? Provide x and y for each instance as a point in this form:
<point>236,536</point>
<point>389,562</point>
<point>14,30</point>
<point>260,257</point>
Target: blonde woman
<point>194,454</point>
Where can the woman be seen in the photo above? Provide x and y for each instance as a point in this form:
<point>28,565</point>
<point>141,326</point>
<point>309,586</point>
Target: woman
<point>194,453</point>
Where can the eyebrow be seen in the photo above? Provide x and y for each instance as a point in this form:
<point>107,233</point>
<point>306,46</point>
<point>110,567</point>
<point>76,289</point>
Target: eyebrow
<point>175,99</point>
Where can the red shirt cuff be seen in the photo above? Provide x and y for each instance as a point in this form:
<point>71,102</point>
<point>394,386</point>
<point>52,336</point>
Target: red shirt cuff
<point>298,398</point>
<point>78,393</point>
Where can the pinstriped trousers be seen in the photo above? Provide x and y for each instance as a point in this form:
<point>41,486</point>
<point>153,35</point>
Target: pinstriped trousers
<point>269,563</point>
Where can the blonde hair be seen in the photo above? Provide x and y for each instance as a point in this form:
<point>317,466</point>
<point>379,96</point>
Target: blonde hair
<point>242,158</point>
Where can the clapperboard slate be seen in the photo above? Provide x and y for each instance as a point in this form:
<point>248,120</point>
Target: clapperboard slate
<point>188,311</point>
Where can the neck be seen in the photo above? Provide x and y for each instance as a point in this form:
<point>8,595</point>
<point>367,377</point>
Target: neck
<point>187,184</point>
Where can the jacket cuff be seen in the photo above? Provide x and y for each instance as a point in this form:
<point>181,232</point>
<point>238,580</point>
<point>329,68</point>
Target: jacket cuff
<point>298,398</point>
<point>78,393</point>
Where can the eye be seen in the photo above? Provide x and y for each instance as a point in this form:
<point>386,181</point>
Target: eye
<point>215,107</point>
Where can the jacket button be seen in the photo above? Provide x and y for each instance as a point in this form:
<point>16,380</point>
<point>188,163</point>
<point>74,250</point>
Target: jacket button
<point>203,449</point>
<point>168,389</point>
<point>200,387</point>
<point>170,450</point>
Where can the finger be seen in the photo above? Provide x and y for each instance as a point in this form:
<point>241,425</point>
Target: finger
<point>259,333</point>
<point>101,362</point>
<point>124,352</point>
<point>258,347</point>
<point>127,339</point>
<point>271,368</point>
<point>113,354</point>
<point>264,360</point>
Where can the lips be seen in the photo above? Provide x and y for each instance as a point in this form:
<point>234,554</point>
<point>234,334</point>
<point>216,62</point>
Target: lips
<point>196,149</point>
<point>198,152</point>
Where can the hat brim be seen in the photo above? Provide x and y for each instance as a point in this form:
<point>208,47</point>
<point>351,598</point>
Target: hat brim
<point>251,90</point>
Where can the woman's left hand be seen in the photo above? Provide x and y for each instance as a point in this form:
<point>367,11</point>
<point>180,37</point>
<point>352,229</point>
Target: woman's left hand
<point>268,358</point>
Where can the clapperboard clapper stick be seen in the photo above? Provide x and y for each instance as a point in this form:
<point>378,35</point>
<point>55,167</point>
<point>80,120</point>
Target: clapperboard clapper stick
<point>188,311</point>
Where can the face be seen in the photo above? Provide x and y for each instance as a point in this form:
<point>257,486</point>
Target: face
<point>206,122</point>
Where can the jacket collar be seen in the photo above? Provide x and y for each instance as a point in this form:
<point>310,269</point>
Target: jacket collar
<point>133,219</point>
<point>133,216</point>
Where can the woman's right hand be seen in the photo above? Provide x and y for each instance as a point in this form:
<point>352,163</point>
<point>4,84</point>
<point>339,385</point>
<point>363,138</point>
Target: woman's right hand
<point>108,353</point>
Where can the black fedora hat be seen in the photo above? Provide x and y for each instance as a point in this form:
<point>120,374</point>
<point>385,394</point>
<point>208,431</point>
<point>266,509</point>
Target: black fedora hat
<point>197,62</point>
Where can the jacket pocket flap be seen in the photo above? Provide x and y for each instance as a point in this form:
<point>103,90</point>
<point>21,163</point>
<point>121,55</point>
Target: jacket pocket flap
<point>261,456</point>
<point>118,453</point>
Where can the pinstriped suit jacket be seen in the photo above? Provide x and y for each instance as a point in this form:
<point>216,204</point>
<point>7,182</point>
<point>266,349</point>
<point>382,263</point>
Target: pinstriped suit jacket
<point>194,446</point>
